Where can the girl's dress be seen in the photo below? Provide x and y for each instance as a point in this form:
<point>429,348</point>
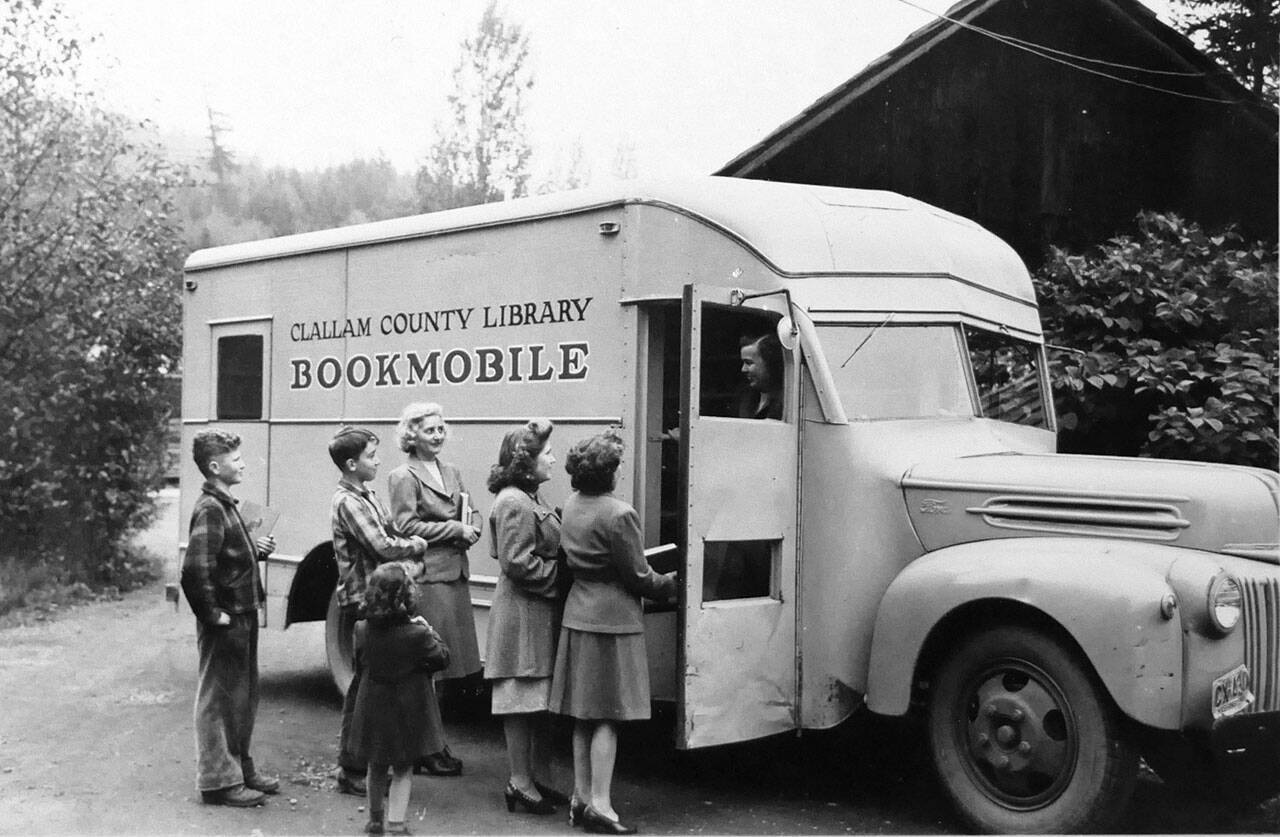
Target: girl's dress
<point>524,537</point>
<point>394,663</point>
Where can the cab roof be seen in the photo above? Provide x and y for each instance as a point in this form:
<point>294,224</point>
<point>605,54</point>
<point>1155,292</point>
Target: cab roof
<point>797,229</point>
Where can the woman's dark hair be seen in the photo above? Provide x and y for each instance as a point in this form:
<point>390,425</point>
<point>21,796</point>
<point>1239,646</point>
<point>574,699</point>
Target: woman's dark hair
<point>390,596</point>
<point>593,463</point>
<point>518,456</point>
<point>770,349</point>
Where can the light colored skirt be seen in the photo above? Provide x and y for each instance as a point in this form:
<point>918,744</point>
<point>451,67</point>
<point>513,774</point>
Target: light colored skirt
<point>518,695</point>
<point>601,677</point>
<point>447,606</point>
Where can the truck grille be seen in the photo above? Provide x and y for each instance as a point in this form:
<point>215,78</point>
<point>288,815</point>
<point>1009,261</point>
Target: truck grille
<point>1262,640</point>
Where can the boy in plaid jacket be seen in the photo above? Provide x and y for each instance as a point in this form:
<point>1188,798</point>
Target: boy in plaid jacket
<point>221,583</point>
<point>363,538</point>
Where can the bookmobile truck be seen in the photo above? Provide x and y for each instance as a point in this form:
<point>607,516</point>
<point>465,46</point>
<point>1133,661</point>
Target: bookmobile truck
<point>903,540</point>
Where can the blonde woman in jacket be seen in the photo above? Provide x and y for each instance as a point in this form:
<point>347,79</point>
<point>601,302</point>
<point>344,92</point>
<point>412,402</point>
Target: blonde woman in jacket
<point>425,495</point>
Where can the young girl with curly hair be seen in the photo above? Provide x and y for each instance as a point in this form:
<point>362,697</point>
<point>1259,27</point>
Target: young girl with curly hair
<point>395,652</point>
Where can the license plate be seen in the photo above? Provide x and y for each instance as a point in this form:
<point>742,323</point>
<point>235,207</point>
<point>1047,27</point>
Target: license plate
<point>1231,692</point>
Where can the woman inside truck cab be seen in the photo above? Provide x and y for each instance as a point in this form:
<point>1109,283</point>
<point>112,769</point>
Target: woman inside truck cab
<point>428,499</point>
<point>763,370</point>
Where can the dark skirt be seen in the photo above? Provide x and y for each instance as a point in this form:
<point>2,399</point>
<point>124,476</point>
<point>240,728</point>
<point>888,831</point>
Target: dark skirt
<point>601,677</point>
<point>390,723</point>
<point>447,606</point>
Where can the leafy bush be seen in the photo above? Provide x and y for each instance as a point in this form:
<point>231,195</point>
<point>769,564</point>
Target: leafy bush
<point>1178,332</point>
<point>89,324</point>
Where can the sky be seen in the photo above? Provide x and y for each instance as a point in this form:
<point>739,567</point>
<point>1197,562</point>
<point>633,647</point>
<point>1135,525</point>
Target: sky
<point>688,84</point>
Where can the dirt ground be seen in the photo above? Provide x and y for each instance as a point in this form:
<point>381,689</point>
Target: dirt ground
<point>96,738</point>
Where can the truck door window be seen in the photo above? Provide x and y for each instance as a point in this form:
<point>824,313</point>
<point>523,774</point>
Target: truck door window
<point>723,385</point>
<point>240,361</point>
<point>898,371</point>
<point>1007,372</point>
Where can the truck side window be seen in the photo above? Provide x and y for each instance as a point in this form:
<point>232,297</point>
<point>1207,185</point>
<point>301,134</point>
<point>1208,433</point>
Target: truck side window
<point>1007,372</point>
<point>736,570</point>
<point>240,359</point>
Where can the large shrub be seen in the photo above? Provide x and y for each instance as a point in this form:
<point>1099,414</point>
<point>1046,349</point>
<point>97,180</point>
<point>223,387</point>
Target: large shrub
<point>1175,329</point>
<point>89,266</point>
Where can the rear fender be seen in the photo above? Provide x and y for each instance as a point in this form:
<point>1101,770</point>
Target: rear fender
<point>313,584</point>
<point>1104,595</point>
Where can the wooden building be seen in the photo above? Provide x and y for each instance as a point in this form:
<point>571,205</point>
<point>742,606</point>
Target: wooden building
<point>1047,121</point>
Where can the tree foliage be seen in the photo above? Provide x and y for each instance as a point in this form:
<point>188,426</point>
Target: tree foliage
<point>1178,329</point>
<point>255,202</point>
<point>1244,35</point>
<point>481,154</point>
<point>89,265</point>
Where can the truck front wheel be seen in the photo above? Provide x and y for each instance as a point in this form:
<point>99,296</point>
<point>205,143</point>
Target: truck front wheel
<point>1025,740</point>
<point>338,645</point>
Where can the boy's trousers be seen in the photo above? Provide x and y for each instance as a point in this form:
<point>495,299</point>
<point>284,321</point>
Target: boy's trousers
<point>226,701</point>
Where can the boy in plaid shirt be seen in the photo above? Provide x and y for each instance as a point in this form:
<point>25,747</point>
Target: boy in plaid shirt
<point>363,538</point>
<point>221,583</point>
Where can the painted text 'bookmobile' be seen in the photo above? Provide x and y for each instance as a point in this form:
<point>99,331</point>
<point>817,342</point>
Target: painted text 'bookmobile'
<point>904,539</point>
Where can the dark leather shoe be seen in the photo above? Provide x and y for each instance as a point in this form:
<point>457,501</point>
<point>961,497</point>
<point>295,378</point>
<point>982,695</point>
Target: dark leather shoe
<point>552,795</point>
<point>236,797</point>
<point>516,797</point>
<point>262,784</point>
<point>437,764</point>
<point>451,759</point>
<point>576,809</point>
<point>353,785</point>
<point>594,822</point>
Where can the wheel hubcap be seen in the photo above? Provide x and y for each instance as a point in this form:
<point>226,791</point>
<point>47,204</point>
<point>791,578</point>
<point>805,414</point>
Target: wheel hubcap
<point>1019,735</point>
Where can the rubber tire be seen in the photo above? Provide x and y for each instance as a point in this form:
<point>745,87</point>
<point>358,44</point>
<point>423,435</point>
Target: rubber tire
<point>1097,778</point>
<point>338,646</point>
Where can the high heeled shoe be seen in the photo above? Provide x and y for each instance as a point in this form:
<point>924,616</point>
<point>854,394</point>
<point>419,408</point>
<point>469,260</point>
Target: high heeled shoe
<point>576,809</point>
<point>552,795</point>
<point>515,796</point>
<point>594,822</point>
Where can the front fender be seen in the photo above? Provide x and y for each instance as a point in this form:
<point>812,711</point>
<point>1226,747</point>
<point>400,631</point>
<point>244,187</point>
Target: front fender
<point>1104,594</point>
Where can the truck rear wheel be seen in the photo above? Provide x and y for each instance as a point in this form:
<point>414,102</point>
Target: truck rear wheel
<point>1025,740</point>
<point>338,648</point>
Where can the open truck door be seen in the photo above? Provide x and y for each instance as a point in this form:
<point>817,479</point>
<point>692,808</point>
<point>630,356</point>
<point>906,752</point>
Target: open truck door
<point>737,671</point>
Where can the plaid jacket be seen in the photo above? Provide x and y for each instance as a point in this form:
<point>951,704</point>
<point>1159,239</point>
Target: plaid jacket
<point>363,538</point>
<point>220,570</point>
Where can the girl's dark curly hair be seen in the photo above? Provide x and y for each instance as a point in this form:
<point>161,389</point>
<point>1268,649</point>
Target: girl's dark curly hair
<point>593,463</point>
<point>518,456</point>
<point>390,596</point>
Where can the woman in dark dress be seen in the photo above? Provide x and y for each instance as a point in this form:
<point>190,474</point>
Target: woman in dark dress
<point>602,670</point>
<point>395,652</point>
<point>524,537</point>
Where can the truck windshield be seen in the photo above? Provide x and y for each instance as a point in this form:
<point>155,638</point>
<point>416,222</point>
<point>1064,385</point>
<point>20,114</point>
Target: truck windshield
<point>891,371</point>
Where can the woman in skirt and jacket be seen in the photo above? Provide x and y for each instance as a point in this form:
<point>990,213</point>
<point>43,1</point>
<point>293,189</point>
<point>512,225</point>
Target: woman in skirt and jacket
<point>426,497</point>
<point>524,537</point>
<point>601,672</point>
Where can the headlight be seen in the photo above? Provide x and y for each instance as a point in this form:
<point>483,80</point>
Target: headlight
<point>1224,603</point>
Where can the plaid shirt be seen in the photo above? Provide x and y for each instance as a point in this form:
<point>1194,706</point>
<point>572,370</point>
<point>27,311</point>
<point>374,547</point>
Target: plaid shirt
<point>220,570</point>
<point>363,538</point>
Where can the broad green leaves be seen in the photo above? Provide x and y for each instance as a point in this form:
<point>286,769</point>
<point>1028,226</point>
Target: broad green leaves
<point>1179,334</point>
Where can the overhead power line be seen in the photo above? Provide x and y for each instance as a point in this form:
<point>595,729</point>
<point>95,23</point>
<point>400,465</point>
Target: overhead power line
<point>1051,54</point>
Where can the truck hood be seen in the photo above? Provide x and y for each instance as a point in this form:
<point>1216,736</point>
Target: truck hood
<point>1220,508</point>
